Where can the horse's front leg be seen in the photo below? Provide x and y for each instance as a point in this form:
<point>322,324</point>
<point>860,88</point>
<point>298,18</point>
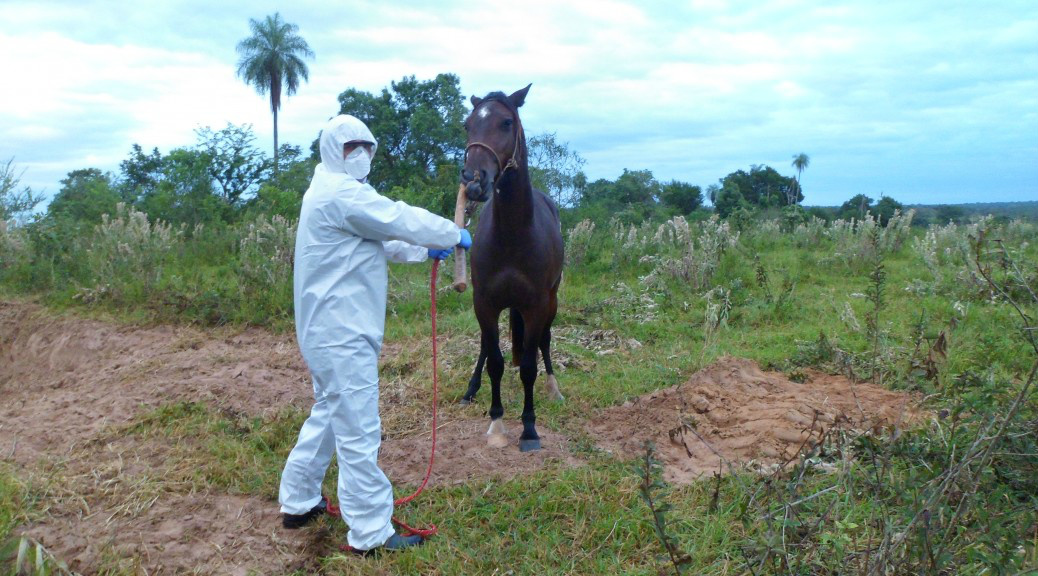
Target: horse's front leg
<point>529,440</point>
<point>491,349</point>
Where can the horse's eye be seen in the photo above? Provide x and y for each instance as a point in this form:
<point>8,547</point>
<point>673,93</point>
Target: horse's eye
<point>506,125</point>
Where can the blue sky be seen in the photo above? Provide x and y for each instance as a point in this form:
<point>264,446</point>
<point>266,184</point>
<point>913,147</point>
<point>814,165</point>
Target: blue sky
<point>925,101</point>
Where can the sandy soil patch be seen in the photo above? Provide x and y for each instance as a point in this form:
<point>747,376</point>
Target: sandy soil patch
<point>734,412</point>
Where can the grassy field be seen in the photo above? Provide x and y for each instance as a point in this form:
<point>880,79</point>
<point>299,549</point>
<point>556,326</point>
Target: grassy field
<point>923,310</point>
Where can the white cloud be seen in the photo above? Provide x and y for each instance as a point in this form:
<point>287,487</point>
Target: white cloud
<point>901,97</point>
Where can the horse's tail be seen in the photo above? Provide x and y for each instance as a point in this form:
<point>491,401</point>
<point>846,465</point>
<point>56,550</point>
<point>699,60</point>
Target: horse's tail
<point>515,321</point>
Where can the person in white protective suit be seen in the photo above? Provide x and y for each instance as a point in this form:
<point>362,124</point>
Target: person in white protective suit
<point>346,234</point>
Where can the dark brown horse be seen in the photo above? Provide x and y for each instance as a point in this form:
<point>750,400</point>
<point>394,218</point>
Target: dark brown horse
<point>516,259</point>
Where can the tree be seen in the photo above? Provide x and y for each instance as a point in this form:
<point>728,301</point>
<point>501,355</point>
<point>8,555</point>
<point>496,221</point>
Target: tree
<point>234,163</point>
<point>633,197</point>
<point>179,189</point>
<point>418,125</point>
<point>728,199</point>
<point>555,168</point>
<point>272,58</point>
<point>283,193</point>
<point>763,186</point>
<point>885,209</point>
<point>141,174</point>
<point>682,197</point>
<point>85,195</point>
<point>800,161</point>
<point>14,202</point>
<point>856,207</point>
<point>946,213</point>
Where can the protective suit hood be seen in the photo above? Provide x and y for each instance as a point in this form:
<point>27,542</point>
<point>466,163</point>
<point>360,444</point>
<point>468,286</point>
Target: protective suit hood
<point>340,130</point>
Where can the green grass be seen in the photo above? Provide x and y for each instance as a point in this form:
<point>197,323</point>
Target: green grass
<point>591,519</point>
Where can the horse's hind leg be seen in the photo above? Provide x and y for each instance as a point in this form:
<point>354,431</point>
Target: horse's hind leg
<point>551,383</point>
<point>477,377</point>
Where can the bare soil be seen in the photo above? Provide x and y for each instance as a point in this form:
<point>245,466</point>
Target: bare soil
<point>733,414</point>
<point>67,382</point>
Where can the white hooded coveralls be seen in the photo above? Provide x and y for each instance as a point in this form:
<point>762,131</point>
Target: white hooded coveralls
<point>346,233</point>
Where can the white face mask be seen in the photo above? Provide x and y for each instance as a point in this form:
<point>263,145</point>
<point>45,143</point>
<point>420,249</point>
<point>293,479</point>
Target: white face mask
<point>358,163</point>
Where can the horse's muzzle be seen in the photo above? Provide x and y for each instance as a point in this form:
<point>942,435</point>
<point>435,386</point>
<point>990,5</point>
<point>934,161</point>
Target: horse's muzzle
<point>476,192</point>
<point>477,186</point>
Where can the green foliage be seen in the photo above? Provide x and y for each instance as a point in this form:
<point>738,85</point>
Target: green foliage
<point>556,169</point>
<point>886,208</point>
<point>265,260</point>
<point>728,200</point>
<point>85,195</point>
<point>682,198</point>
<point>125,257</point>
<point>15,203</point>
<point>632,199</point>
<point>800,162</point>
<point>860,206</point>
<point>234,163</point>
<point>857,207</point>
<point>653,493</point>
<point>185,194</point>
<point>762,186</point>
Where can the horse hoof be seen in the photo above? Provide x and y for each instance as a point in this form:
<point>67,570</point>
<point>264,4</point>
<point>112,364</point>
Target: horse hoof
<point>553,389</point>
<point>530,445</point>
<point>497,440</point>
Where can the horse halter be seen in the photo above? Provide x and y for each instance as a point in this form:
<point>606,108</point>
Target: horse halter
<point>502,168</point>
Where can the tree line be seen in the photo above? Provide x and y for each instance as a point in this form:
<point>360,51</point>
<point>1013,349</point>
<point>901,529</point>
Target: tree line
<point>224,177</point>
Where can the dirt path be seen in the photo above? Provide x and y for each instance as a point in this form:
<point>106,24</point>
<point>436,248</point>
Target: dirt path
<point>67,382</point>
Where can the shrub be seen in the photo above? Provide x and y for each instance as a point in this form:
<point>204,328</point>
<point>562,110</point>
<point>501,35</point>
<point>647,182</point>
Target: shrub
<point>265,259</point>
<point>14,246</point>
<point>698,256</point>
<point>578,240</point>
<point>126,255</point>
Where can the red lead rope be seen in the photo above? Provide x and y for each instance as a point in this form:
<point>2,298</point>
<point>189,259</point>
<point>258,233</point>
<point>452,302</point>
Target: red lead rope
<point>333,510</point>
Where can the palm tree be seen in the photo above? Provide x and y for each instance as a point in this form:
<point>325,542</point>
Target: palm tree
<point>271,58</point>
<point>800,161</point>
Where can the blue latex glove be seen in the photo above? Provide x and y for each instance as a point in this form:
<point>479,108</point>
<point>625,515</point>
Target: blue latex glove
<point>440,254</point>
<point>466,239</point>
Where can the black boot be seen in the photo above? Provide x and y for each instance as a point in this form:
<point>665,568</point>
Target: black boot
<point>293,521</point>
<point>398,542</point>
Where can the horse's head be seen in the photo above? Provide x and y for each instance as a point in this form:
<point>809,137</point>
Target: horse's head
<point>495,142</point>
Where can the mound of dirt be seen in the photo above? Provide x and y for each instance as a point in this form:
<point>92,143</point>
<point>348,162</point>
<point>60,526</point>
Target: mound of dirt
<point>733,413</point>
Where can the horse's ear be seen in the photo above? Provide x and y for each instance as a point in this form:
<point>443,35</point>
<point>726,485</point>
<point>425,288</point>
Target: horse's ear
<point>475,101</point>
<point>519,96</point>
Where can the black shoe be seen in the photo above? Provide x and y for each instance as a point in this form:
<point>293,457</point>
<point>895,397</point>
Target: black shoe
<point>395,543</point>
<point>398,542</point>
<point>293,521</point>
